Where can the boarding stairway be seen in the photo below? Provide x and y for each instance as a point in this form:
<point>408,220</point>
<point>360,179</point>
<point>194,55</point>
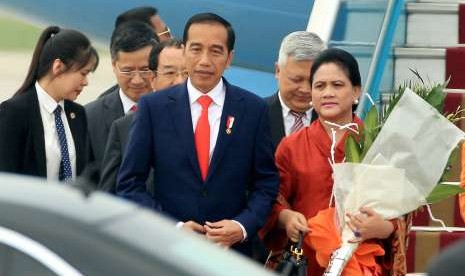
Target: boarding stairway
<point>430,38</point>
<point>434,46</point>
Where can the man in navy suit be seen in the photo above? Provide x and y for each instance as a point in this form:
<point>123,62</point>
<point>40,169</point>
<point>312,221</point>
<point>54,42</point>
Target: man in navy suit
<point>224,186</point>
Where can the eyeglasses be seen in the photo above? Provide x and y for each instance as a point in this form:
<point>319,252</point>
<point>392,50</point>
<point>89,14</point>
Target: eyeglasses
<point>131,74</point>
<point>172,73</point>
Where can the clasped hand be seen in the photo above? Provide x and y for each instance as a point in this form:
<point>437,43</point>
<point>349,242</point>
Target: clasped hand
<point>224,232</point>
<point>368,224</point>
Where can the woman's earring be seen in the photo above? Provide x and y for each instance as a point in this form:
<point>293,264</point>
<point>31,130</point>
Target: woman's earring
<point>356,101</point>
<point>311,104</point>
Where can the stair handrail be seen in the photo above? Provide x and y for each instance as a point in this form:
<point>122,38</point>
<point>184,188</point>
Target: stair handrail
<point>380,55</point>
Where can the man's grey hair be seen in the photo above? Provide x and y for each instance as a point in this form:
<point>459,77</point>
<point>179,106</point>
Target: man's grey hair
<point>300,45</point>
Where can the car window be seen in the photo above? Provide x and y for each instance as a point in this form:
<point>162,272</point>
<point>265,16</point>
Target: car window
<point>14,262</point>
<point>21,255</point>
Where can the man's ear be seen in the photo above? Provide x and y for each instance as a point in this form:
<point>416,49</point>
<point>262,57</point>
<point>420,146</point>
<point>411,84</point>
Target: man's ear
<point>276,70</point>
<point>230,58</point>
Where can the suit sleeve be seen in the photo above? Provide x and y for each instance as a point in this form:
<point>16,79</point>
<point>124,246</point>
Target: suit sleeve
<point>274,237</point>
<point>111,161</point>
<point>265,180</point>
<point>137,160</point>
<point>12,138</point>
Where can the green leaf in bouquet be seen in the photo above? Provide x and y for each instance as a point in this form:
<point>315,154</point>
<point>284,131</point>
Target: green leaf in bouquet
<point>370,130</point>
<point>371,120</point>
<point>436,98</point>
<point>442,191</point>
<point>453,159</point>
<point>353,150</point>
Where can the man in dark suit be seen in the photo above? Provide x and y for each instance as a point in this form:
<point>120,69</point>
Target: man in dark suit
<point>208,143</point>
<point>148,15</point>
<point>290,107</point>
<point>167,61</point>
<point>131,44</point>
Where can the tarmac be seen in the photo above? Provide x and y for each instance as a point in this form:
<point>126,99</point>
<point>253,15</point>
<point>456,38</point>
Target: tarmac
<point>14,66</point>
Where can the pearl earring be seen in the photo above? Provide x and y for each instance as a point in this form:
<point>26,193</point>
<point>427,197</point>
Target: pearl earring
<point>356,101</point>
<point>311,104</point>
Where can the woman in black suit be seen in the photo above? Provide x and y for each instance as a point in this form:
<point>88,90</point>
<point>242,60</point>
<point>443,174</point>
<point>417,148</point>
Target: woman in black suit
<point>42,131</point>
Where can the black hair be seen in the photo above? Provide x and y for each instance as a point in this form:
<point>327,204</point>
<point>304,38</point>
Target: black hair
<point>138,14</point>
<point>211,18</point>
<point>69,46</point>
<point>130,37</point>
<point>343,59</point>
<point>156,50</point>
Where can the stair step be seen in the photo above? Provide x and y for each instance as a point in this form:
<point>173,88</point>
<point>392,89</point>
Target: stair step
<point>432,23</point>
<point>440,45</point>
<point>454,91</point>
<point>432,8</point>
<point>441,1</point>
<point>429,62</point>
<point>420,52</point>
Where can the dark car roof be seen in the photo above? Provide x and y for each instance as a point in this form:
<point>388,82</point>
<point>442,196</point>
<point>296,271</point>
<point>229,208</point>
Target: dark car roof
<point>104,235</point>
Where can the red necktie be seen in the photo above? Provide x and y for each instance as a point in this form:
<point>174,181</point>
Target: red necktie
<point>202,136</point>
<point>133,108</point>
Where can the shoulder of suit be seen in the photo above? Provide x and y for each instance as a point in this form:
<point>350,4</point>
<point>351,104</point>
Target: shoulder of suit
<point>110,90</point>
<point>257,102</point>
<point>74,106</point>
<point>248,95</point>
<point>20,102</point>
<point>125,119</point>
<point>163,95</point>
<point>98,104</point>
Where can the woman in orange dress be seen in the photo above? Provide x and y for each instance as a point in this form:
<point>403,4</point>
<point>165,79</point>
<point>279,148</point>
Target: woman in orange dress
<point>303,161</point>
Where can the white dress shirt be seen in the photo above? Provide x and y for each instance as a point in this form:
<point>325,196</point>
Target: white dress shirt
<point>52,144</point>
<point>289,119</point>
<point>217,94</point>
<point>127,102</point>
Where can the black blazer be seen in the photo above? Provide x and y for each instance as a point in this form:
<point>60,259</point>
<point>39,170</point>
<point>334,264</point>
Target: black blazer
<point>275,113</point>
<point>22,144</point>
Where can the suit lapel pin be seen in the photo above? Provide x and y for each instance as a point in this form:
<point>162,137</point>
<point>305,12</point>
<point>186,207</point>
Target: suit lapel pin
<point>72,115</point>
<point>229,124</point>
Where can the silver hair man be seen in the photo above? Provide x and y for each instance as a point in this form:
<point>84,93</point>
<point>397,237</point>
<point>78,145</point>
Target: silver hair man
<point>301,45</point>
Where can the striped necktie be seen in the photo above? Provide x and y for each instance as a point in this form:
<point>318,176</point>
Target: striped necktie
<point>298,121</point>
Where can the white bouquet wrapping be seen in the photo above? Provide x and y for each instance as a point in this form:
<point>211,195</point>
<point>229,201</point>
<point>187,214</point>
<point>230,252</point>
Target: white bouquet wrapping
<point>400,169</point>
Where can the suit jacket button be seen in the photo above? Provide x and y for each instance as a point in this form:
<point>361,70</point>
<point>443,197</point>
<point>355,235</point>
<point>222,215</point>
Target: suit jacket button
<point>204,193</point>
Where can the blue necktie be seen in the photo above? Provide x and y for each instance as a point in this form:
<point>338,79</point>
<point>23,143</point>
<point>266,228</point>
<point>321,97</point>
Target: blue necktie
<point>65,174</point>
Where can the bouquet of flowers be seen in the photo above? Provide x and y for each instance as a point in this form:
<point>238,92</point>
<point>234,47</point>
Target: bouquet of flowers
<point>395,165</point>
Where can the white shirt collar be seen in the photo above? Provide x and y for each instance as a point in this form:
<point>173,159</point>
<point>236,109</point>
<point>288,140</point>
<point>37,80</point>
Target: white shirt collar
<point>46,100</point>
<point>286,109</point>
<point>217,93</point>
<point>127,102</point>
